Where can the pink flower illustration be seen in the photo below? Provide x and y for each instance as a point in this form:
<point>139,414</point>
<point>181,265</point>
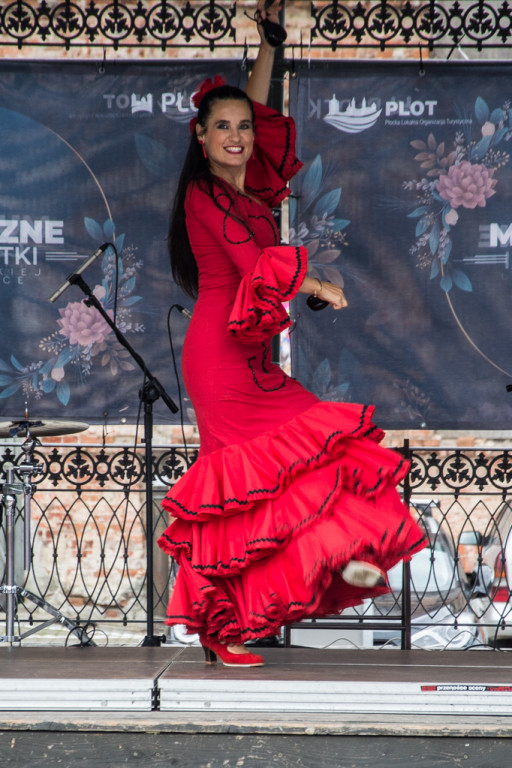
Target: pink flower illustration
<point>82,324</point>
<point>467,185</point>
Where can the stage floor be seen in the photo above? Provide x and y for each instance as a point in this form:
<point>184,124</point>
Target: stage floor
<point>303,683</point>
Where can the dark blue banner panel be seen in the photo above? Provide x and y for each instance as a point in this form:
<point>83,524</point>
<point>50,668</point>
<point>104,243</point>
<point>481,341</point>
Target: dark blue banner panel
<point>87,157</point>
<point>406,198</point>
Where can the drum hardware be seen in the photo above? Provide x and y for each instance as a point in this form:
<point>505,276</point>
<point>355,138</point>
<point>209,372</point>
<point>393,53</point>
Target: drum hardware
<point>16,486</point>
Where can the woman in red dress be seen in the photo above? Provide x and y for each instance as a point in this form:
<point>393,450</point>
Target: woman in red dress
<point>291,509</point>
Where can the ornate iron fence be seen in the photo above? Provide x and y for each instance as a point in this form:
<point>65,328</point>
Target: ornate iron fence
<point>210,24</point>
<point>88,545</point>
<point>467,23</point>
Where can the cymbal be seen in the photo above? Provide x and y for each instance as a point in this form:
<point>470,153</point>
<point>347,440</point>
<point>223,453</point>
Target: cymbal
<point>20,427</point>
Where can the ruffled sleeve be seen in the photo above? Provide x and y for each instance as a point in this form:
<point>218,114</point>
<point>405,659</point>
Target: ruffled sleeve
<point>258,313</point>
<point>273,162</point>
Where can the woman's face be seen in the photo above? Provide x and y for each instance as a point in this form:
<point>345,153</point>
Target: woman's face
<point>228,137</point>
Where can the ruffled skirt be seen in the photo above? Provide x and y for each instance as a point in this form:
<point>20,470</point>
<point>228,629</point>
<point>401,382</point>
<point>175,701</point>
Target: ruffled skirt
<point>263,528</point>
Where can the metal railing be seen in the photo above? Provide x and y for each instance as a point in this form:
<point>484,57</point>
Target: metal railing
<point>210,24</point>
<point>88,545</point>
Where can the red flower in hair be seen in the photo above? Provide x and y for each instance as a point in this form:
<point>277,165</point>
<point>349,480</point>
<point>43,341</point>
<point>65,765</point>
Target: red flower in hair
<point>205,87</point>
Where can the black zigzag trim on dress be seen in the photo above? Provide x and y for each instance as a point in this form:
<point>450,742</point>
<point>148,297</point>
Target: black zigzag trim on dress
<point>298,270</point>
<point>228,214</point>
<point>286,152</point>
<point>260,289</point>
<point>298,463</point>
<point>277,612</point>
<point>258,191</point>
<point>260,313</point>
<point>280,296</point>
<point>277,540</point>
<point>271,222</point>
<point>266,350</point>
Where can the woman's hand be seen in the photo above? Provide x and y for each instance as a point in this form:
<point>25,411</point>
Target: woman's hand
<point>258,86</point>
<point>271,13</point>
<point>324,290</point>
<point>333,294</point>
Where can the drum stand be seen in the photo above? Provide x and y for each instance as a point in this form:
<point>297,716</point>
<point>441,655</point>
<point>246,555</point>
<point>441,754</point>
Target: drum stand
<point>12,591</point>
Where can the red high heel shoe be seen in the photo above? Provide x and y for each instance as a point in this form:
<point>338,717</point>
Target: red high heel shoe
<point>213,648</point>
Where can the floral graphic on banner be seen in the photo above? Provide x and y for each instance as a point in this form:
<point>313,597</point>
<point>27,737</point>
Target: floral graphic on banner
<point>313,224</point>
<point>318,229</point>
<point>465,175</point>
<point>83,337</point>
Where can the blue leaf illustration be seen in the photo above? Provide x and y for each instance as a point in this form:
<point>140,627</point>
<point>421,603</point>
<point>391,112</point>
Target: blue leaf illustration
<point>417,212</point>
<point>336,225</point>
<point>348,365</point>
<point>433,240</point>
<point>447,250</point>
<point>48,366</point>
<point>312,181</point>
<point>461,280</point>
<point>156,156</point>
<point>434,269</point>
<point>131,300</point>
<point>4,366</point>
<point>93,229</point>
<point>446,283</point>
<point>327,203</point>
<point>422,226</point>
<point>65,357</point>
<point>499,135</point>
<point>16,364</point>
<point>4,380</point>
<point>496,115</point>
<point>129,285</point>
<point>481,110</point>
<point>10,390</point>
<point>481,148</point>
<point>120,243</point>
<point>322,377</point>
<point>63,392</point>
<point>48,385</point>
<point>109,229</point>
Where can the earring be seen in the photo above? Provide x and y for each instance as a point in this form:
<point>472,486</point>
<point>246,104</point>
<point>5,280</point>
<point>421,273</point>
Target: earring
<point>204,150</point>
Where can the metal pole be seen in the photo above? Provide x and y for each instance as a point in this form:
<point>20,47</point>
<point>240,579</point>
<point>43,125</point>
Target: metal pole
<point>276,101</point>
<point>9,589</point>
<point>406,570</point>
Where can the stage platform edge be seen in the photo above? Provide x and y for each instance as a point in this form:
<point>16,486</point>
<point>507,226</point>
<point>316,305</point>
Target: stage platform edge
<point>296,684</point>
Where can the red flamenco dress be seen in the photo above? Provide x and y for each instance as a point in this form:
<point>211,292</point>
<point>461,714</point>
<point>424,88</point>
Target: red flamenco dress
<point>287,489</point>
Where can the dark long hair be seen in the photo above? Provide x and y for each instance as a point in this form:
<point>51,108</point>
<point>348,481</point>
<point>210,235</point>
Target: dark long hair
<point>195,168</point>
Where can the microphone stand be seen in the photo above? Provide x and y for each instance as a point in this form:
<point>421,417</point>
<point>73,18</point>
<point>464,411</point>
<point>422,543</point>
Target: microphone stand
<point>148,394</point>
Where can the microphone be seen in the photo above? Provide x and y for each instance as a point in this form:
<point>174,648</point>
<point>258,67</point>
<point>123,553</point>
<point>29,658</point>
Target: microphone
<point>184,311</point>
<point>65,285</point>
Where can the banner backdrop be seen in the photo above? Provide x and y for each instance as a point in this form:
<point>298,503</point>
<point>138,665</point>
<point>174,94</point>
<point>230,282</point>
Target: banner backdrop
<point>406,196</point>
<point>88,155</point>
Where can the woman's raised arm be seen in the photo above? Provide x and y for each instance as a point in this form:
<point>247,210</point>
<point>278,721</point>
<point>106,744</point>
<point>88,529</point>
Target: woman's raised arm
<point>258,86</point>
